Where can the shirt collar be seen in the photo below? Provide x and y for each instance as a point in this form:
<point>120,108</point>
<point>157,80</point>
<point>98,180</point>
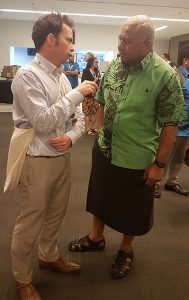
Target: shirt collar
<point>47,65</point>
<point>143,64</point>
<point>146,60</point>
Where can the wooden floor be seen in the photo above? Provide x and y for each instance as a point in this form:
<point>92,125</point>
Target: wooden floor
<point>161,266</point>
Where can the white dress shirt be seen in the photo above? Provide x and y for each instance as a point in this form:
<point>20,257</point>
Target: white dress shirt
<point>36,103</point>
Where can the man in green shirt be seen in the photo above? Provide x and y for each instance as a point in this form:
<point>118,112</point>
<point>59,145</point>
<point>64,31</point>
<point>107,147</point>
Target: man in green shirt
<point>141,104</point>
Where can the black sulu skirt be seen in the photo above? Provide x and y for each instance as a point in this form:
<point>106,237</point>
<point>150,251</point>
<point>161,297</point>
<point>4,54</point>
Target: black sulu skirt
<point>119,197</point>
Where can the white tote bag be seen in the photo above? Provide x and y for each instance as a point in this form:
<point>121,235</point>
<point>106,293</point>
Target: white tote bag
<point>18,147</point>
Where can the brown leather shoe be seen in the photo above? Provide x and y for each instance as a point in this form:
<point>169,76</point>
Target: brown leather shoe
<point>27,292</point>
<point>60,265</point>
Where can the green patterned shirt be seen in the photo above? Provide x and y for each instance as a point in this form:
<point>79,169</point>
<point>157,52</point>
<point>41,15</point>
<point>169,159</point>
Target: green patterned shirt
<point>137,103</point>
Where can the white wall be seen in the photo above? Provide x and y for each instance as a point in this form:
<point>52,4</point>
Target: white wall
<point>13,33</point>
<point>91,37</point>
<point>161,46</point>
<point>96,37</point>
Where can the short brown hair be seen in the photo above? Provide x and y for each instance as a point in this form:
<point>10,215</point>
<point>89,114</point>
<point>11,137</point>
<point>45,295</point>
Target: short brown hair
<point>90,62</point>
<point>51,23</point>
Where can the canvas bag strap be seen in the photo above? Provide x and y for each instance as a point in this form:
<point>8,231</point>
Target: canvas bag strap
<point>59,89</point>
<point>34,65</point>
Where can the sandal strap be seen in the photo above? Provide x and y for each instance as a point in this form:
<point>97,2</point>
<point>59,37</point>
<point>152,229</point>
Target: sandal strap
<point>86,244</point>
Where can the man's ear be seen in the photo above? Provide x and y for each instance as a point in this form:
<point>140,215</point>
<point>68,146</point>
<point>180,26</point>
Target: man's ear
<point>51,40</point>
<point>148,43</point>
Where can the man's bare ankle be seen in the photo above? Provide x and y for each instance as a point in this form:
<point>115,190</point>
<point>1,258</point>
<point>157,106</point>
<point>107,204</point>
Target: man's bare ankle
<point>126,249</point>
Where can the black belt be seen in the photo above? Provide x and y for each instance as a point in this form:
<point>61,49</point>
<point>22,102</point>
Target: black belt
<point>42,156</point>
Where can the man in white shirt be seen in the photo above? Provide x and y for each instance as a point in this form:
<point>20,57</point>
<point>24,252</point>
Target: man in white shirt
<point>43,99</point>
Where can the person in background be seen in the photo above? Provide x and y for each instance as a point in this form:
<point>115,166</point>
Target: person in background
<point>43,99</point>
<point>176,159</point>
<point>90,105</point>
<point>71,70</point>
<point>130,152</point>
<point>166,57</point>
<point>87,56</point>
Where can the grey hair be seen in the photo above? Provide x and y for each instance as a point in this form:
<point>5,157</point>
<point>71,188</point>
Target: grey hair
<point>143,24</point>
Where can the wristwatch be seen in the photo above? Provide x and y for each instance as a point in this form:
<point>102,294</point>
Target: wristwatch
<point>159,164</point>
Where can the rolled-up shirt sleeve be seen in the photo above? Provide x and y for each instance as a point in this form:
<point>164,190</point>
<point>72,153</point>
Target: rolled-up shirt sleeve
<point>33,101</point>
<point>78,128</point>
<point>170,103</point>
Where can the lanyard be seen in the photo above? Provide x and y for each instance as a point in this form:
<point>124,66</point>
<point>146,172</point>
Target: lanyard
<point>94,74</point>
<point>70,66</point>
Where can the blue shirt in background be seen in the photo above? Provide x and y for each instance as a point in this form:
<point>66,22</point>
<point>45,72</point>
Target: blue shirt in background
<point>73,79</point>
<point>183,130</point>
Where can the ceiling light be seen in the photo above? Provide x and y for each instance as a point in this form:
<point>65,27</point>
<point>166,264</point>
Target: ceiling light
<point>161,28</point>
<point>89,15</point>
<point>25,11</point>
<point>170,20</point>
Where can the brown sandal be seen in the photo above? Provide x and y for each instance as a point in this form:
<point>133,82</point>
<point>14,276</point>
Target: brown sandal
<point>85,244</point>
<point>90,132</point>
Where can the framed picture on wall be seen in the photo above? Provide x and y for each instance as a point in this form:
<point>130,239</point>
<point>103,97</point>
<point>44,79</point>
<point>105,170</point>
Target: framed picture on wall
<point>31,51</point>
